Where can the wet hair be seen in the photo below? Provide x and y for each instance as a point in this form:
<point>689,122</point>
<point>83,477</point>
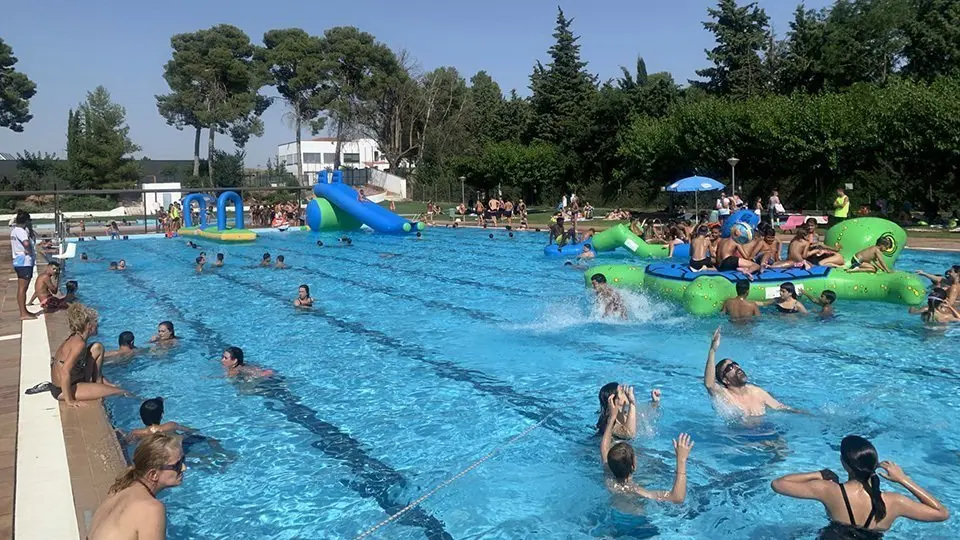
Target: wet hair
<point>319,243</point>
<point>568,263</point>
<point>884,240</point>
<point>306,288</point>
<point>280,258</point>
<point>169,326</point>
<point>703,230</point>
<point>511,235</point>
<point>72,286</point>
<point>790,288</point>
<point>829,296</point>
<point>620,459</point>
<point>606,391</point>
<point>491,235</point>
<point>84,257</point>
<point>598,278</point>
<point>860,457</point>
<point>719,369</point>
<point>936,297</point>
<point>126,339</point>
<point>266,256</point>
<point>219,256</point>
<point>113,264</point>
<point>770,232</point>
<point>151,411</point>
<point>743,287</point>
<point>587,247</point>
<point>419,234</point>
<point>237,354</point>
<point>199,260</point>
<point>79,317</point>
<point>151,454</point>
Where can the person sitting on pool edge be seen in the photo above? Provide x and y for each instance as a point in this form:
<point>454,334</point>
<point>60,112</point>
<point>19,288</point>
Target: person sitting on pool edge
<point>610,299</point>
<point>625,409</point>
<point>826,300</point>
<point>46,289</point>
<point>621,461</point>
<point>727,384</point>
<point>131,509</point>
<point>232,361</point>
<point>125,348</point>
<point>303,297</point>
<point>75,367</point>
<point>280,264</point>
<point>739,308</point>
<point>871,259</point>
<point>860,495</point>
<point>265,261</point>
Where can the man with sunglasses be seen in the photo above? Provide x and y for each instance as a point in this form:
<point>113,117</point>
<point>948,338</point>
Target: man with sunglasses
<point>726,382</point>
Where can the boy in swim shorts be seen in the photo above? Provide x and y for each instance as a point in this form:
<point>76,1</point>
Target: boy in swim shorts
<point>871,258</point>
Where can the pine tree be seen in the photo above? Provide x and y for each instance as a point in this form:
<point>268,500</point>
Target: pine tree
<point>486,101</point>
<point>741,33</point>
<point>562,90</point>
<point>801,67</point>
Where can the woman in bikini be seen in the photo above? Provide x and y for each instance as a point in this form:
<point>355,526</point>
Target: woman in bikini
<point>303,297</point>
<point>131,509</point>
<point>938,309</point>
<point>788,302</point>
<point>858,508</point>
<point>75,367</point>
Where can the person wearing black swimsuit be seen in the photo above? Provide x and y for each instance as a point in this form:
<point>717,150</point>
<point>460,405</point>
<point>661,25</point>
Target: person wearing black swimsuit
<point>860,495</point>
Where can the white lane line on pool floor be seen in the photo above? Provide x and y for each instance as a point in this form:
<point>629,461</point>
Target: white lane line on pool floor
<point>10,336</point>
<point>43,504</point>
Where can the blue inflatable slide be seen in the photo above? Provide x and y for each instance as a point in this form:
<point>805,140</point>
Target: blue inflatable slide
<point>339,207</point>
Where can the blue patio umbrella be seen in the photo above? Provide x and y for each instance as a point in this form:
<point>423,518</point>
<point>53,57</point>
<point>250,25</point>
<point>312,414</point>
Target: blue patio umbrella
<point>695,184</point>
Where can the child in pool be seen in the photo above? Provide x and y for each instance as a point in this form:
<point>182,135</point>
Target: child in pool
<point>826,300</point>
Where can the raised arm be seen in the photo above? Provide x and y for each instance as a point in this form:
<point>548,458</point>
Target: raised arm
<point>607,439</point>
<point>709,371</point>
<point>935,279</point>
<point>811,297</point>
<point>927,509</point>
<point>676,495</point>
<point>811,485</point>
<point>632,415</point>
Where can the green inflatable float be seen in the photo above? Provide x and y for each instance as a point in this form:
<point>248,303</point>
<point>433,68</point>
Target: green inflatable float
<point>621,236</point>
<point>703,293</point>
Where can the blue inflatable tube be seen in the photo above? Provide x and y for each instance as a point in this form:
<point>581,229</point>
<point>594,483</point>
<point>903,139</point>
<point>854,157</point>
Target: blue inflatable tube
<point>740,216</point>
<point>370,214</point>
<point>568,250</point>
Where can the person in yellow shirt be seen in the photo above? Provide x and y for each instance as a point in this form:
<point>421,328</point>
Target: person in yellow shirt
<point>841,206</point>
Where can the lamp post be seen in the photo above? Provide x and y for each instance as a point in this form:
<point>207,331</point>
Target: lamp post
<point>463,196</point>
<point>733,173</point>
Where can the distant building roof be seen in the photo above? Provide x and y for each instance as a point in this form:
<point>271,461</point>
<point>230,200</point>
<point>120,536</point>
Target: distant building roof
<point>5,156</point>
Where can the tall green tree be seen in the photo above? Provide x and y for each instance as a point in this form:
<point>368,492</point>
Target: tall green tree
<point>99,145</point>
<point>933,39</point>
<point>34,168</point>
<point>562,90</point>
<point>16,89</point>
<point>300,70</point>
<point>219,67</point>
<point>487,121</point>
<point>863,41</point>
<point>230,171</point>
<point>517,116</point>
<point>179,109</point>
<point>741,32</point>
<point>801,67</point>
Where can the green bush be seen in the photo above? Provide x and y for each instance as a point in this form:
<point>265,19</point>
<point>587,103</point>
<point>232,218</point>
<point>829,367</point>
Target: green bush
<point>86,203</point>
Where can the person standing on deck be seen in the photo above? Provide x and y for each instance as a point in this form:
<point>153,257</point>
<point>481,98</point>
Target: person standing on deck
<point>841,206</point>
<point>22,238</point>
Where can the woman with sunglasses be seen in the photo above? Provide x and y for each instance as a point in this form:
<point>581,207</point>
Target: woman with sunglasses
<point>131,509</point>
<point>857,507</point>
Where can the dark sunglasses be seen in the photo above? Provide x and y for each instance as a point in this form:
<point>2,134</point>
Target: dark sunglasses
<point>176,467</point>
<point>727,368</point>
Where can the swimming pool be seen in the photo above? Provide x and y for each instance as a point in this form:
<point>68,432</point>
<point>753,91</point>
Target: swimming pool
<point>413,367</point>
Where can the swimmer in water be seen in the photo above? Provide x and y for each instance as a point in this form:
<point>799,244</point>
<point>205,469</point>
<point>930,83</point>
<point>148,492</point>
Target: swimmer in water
<point>625,409</point>
<point>726,383</point>
<point>739,308</point>
<point>826,300</point>
<point>200,262</point>
<point>113,265</point>
<point>126,348</point>
<point>219,260</point>
<point>938,309</point>
<point>303,297</point>
<point>586,253</point>
<point>232,361</point>
<point>319,243</point>
<point>151,413</point>
<point>265,261</point>
<point>84,257</point>
<point>611,299</point>
<point>71,288</point>
<point>280,264</point>
<point>419,235</point>
<point>165,335</point>
<point>788,302</point>
<point>580,267</point>
<point>191,244</point>
<point>122,265</point>
<point>621,462</point>
<point>857,508</point>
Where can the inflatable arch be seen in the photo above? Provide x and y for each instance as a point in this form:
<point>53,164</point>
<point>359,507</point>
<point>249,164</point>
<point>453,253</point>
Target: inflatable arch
<point>222,200</point>
<point>188,201</point>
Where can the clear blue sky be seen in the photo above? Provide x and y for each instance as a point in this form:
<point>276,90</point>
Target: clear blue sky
<point>69,47</point>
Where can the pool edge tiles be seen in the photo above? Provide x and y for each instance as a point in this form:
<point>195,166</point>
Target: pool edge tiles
<point>372,478</point>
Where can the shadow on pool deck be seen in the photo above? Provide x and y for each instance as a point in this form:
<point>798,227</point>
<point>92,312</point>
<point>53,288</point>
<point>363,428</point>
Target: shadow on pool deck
<point>93,453</point>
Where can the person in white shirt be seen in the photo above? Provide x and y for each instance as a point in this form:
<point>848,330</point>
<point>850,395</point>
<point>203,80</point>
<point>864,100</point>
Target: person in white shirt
<point>24,255</point>
<point>775,208</point>
<point>723,206</point>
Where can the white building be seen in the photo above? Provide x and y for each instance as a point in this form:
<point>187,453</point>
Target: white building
<point>154,199</point>
<point>319,154</point>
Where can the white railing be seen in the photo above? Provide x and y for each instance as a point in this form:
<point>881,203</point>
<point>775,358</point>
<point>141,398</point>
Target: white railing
<point>390,183</point>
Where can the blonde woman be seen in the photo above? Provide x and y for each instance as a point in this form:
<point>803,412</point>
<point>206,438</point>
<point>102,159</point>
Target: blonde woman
<point>75,367</point>
<point>131,509</point>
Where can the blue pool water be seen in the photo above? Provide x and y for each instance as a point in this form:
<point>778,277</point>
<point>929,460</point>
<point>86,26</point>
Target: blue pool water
<point>413,367</point>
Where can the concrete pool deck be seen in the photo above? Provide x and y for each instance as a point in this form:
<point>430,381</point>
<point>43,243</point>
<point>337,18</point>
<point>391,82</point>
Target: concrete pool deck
<point>56,463</point>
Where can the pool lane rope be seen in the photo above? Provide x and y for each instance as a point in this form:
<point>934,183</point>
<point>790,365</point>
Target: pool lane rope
<point>455,477</point>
